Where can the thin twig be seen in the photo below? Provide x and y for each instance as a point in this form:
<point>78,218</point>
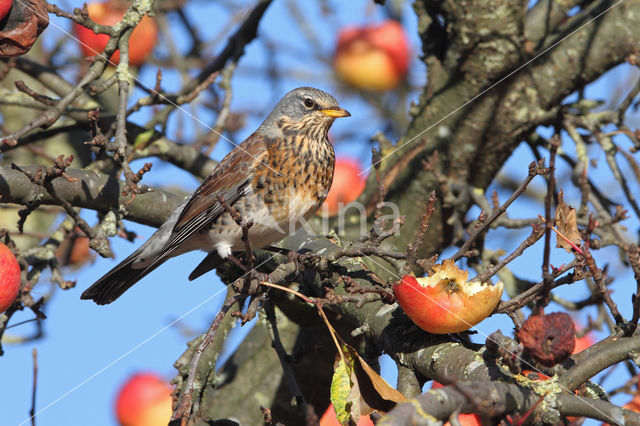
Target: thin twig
<point>547,277</point>
<point>223,115</point>
<point>634,260</point>
<point>235,44</point>
<point>563,237</point>
<point>183,409</point>
<point>32,412</point>
<point>537,232</point>
<point>599,279</point>
<point>534,170</point>
<point>628,100</point>
<point>530,294</point>
<point>45,100</point>
<point>412,248</point>
<point>288,290</point>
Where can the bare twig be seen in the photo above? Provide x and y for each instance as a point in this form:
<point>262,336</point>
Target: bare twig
<point>412,248</point>
<point>235,44</point>
<point>628,100</point>
<point>44,177</point>
<point>45,100</point>
<point>53,114</point>
<point>223,115</point>
<point>537,232</point>
<point>32,412</point>
<point>534,170</point>
<point>183,409</point>
<point>547,277</point>
<point>634,259</point>
<point>530,294</point>
<point>599,279</point>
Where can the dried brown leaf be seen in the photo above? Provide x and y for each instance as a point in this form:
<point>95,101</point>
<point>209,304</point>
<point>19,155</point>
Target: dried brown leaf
<point>382,388</point>
<point>21,28</point>
<point>369,391</point>
<point>567,224</point>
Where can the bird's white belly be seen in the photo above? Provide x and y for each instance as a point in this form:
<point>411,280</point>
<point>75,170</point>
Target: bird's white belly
<point>266,228</point>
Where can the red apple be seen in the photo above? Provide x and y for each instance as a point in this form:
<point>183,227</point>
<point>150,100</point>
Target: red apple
<point>583,342</point>
<point>374,57</point>
<point>9,278</point>
<point>535,375</point>
<point>445,302</point>
<point>329,418</point>
<point>634,404</point>
<point>74,249</point>
<point>464,419</point>
<point>141,42</point>
<point>80,251</point>
<point>144,400</point>
<point>5,7</point>
<point>347,185</point>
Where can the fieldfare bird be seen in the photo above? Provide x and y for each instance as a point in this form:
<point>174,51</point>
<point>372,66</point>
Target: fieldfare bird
<point>277,178</point>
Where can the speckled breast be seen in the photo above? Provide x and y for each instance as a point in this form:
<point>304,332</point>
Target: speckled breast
<point>286,190</point>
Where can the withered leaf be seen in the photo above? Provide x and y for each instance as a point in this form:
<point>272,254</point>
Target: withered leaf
<point>567,224</point>
<point>369,391</point>
<point>21,28</point>
<point>383,389</point>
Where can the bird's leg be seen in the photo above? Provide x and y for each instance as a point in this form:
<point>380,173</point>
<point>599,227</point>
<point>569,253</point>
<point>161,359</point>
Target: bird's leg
<point>237,262</point>
<point>250,275</point>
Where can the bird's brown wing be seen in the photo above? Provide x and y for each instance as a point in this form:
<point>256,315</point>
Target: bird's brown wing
<point>230,180</point>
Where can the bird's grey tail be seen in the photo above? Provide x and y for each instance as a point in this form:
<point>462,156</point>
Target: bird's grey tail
<point>212,261</point>
<point>118,280</point>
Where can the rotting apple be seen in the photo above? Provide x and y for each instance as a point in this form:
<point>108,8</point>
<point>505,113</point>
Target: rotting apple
<point>144,400</point>
<point>445,302</point>
<point>374,57</point>
<point>347,185</point>
<point>9,278</point>
<point>5,7</point>
<point>548,338</point>
<point>141,42</point>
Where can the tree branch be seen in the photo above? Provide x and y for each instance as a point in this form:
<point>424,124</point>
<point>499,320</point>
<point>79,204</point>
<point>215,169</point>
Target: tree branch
<point>92,190</point>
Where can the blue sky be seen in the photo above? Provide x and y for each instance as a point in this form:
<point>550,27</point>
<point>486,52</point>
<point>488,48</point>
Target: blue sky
<point>87,351</point>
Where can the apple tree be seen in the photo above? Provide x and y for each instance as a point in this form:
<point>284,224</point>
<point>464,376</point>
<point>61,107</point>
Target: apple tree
<point>501,145</point>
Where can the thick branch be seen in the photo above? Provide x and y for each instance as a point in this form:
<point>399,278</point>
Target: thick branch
<point>92,190</point>
<point>497,399</point>
<point>606,354</point>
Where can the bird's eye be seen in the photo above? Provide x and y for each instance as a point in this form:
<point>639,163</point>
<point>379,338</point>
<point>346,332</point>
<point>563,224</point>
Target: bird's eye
<point>309,103</point>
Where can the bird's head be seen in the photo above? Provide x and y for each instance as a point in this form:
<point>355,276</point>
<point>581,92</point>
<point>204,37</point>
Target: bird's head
<point>304,108</point>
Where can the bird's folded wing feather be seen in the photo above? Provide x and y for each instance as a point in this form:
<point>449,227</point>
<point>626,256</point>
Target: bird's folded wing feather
<point>230,180</point>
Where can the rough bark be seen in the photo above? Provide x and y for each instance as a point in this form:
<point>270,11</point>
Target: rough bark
<point>487,89</point>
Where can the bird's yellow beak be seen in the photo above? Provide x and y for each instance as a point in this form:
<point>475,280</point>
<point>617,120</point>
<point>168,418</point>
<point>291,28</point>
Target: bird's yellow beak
<point>335,112</point>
